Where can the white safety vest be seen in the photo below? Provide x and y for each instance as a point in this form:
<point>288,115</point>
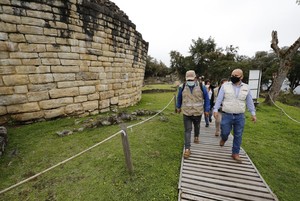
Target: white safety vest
<point>231,102</point>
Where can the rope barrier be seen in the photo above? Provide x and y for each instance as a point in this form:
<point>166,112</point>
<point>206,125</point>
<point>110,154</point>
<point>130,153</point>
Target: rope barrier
<point>80,153</point>
<point>283,110</point>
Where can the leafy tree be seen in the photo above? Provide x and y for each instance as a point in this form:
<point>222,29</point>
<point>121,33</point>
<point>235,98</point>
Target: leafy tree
<point>294,74</point>
<point>155,68</point>
<point>178,64</point>
<point>203,54</point>
<point>268,63</point>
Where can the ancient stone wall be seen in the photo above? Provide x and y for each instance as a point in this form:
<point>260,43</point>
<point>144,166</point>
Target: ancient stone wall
<point>60,58</point>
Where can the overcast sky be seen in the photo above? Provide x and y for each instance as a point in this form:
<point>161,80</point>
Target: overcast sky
<point>172,24</point>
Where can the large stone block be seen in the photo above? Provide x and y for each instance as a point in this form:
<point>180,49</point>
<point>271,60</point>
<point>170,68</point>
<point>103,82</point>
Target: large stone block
<point>12,80</point>
<point>55,103</point>
<point>41,78</point>
<point>90,105</point>
<point>28,116</point>
<point>74,109</point>
<point>38,96</point>
<point>66,92</point>
<point>6,90</point>
<point>21,108</point>
<point>86,90</point>
<point>49,114</point>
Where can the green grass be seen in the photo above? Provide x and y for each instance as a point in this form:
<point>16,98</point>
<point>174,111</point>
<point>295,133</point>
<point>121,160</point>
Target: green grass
<point>160,87</point>
<point>99,174</point>
<point>273,144</point>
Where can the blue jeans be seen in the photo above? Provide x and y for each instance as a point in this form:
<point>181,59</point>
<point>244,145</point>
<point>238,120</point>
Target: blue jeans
<point>208,119</point>
<point>235,122</point>
<point>188,121</point>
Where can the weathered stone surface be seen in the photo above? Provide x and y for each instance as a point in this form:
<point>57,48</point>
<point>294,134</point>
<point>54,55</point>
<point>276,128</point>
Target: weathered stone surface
<point>11,80</point>
<point>13,99</point>
<point>55,61</point>
<point>90,105</point>
<point>26,107</point>
<point>28,116</point>
<point>74,109</point>
<point>57,93</point>
<point>21,89</point>
<point>86,90</point>
<point>38,96</point>
<point>54,103</point>
<point>41,78</point>
<point>3,110</point>
<point>80,99</point>
<point>49,114</point>
<point>6,90</point>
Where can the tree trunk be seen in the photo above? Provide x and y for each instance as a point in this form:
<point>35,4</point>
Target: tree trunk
<point>285,57</point>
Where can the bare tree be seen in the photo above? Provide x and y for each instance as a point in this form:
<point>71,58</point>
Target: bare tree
<point>285,58</point>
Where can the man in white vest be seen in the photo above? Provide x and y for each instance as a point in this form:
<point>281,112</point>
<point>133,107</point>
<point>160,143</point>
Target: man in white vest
<point>192,100</point>
<point>234,96</point>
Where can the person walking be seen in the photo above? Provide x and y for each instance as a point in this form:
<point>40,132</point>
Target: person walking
<point>234,96</point>
<point>218,120</point>
<point>192,100</point>
<point>210,91</point>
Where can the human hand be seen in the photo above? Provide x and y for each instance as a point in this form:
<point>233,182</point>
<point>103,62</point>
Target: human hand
<point>178,110</point>
<point>216,114</point>
<point>206,114</point>
<point>253,118</point>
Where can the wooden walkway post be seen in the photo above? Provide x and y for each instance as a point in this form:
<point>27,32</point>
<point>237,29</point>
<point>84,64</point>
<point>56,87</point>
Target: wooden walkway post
<point>126,148</point>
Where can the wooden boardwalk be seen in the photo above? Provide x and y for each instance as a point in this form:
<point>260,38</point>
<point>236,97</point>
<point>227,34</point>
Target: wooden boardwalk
<point>210,174</point>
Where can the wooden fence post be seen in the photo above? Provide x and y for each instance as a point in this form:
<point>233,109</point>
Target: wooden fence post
<point>126,148</point>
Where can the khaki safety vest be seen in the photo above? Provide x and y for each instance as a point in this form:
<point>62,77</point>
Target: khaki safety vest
<point>192,103</point>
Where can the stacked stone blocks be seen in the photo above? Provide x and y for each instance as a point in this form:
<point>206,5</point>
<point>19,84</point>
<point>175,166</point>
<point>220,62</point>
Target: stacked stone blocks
<point>59,58</point>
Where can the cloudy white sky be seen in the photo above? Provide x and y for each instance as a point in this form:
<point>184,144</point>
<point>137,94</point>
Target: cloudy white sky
<point>172,24</point>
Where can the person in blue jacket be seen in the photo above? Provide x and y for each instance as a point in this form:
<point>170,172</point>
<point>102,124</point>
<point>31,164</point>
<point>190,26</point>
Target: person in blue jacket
<point>192,100</point>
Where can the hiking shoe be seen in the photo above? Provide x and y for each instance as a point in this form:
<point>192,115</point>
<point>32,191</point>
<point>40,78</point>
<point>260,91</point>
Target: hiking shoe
<point>187,153</point>
<point>237,158</point>
<point>196,140</point>
<point>222,142</point>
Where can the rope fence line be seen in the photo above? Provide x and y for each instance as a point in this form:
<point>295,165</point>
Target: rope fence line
<point>82,152</point>
<point>283,110</point>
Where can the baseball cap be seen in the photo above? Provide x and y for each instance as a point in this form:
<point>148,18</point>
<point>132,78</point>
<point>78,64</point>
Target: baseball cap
<point>190,75</point>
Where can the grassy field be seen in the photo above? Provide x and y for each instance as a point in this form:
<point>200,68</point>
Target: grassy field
<point>273,143</point>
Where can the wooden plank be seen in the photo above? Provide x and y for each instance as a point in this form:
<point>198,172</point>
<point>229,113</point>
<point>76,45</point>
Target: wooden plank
<point>221,169</point>
<point>225,175</point>
<point>251,196</point>
<point>233,168</point>
<point>227,161</point>
<point>200,195</point>
<point>224,178</point>
<point>240,184</point>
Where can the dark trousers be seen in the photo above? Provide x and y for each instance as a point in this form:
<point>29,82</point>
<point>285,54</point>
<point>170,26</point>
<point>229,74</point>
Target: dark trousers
<point>188,122</point>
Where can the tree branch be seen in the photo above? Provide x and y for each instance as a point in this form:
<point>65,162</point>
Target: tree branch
<point>274,43</point>
<point>293,48</point>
